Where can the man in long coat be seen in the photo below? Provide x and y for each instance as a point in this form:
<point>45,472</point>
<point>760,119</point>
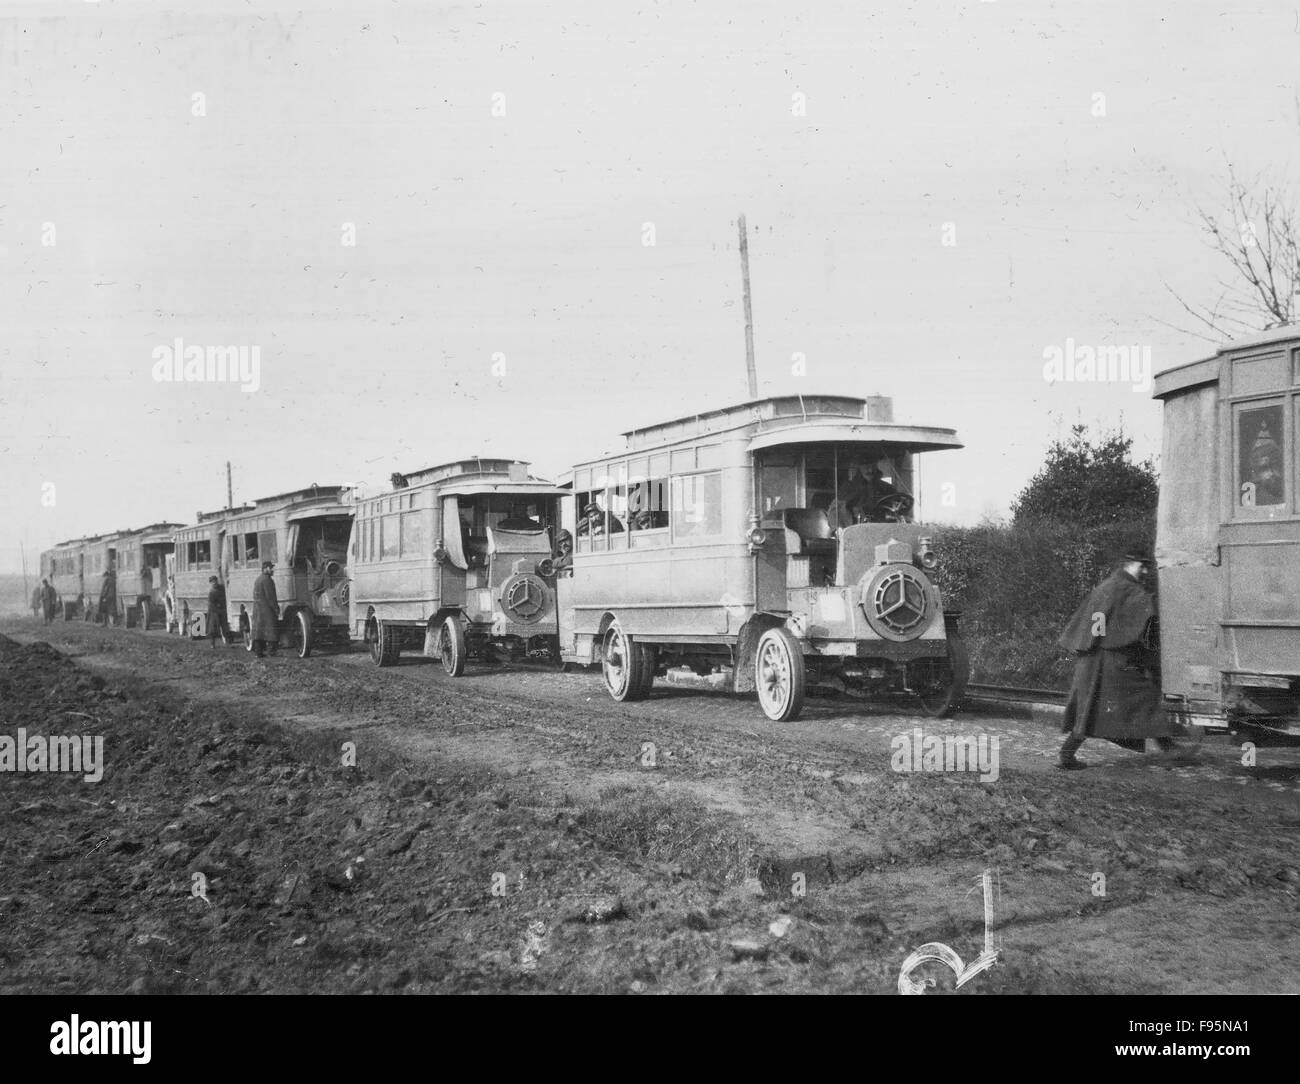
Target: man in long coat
<point>1115,694</point>
<point>266,612</point>
<point>218,625</point>
<point>108,598</point>
<point>49,597</point>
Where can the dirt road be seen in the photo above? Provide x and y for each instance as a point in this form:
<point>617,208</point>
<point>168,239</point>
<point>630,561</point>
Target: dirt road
<point>517,830</point>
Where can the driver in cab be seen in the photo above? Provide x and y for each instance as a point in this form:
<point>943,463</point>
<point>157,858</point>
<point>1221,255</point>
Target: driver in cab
<point>862,494</point>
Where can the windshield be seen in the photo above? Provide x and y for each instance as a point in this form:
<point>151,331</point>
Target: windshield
<point>322,540</point>
<point>851,483</point>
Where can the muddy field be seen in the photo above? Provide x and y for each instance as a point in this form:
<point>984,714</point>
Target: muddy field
<point>515,830</point>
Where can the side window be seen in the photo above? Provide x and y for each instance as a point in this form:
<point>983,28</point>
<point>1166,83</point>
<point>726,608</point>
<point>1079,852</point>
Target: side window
<point>647,505</point>
<point>389,546</point>
<point>592,522</point>
<point>203,553</point>
<point>413,538</point>
<point>1261,463</point>
<point>250,548</point>
<point>266,549</point>
<point>778,488</point>
<point>697,506</point>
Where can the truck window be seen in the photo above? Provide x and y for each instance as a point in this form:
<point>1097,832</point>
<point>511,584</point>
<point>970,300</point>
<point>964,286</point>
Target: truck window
<point>1261,465</point>
<point>697,506</point>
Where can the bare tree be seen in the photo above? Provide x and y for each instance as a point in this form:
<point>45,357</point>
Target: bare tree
<point>1258,236</point>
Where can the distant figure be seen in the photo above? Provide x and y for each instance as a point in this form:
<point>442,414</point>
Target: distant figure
<point>108,598</point>
<point>266,613</point>
<point>1115,694</point>
<point>169,603</point>
<point>49,598</point>
<point>218,624</point>
<point>36,600</point>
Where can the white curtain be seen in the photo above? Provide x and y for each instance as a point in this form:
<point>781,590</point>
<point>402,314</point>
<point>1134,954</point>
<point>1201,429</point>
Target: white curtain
<point>451,535</point>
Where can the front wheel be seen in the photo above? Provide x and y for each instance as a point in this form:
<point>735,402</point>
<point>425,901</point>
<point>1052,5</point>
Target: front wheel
<point>779,674</point>
<point>300,634</point>
<point>144,616</point>
<point>939,684</point>
<point>246,630</point>
<point>451,646</point>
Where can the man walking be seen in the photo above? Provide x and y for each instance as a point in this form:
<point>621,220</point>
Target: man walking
<point>218,625</point>
<point>1115,694</point>
<point>266,613</point>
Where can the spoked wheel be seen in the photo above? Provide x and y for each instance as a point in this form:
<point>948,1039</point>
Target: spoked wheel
<point>779,675</point>
<point>144,616</point>
<point>623,663</point>
<point>246,630</point>
<point>451,646</point>
<point>300,634</point>
<point>383,644</point>
<point>939,684</point>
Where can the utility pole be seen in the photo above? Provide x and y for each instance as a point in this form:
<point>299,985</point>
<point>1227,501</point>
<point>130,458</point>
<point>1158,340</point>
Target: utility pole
<point>230,492</point>
<point>27,598</point>
<point>749,312</point>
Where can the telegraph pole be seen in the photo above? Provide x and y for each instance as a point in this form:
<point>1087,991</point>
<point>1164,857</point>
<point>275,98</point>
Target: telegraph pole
<point>230,491</point>
<point>27,598</point>
<point>749,312</point>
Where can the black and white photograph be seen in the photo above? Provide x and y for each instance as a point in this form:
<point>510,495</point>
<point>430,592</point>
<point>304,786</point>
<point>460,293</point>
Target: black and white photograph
<point>651,497</point>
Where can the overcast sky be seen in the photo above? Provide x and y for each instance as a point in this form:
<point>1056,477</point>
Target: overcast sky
<point>1061,145</point>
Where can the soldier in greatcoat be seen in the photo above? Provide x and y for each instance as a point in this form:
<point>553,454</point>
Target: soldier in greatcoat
<point>218,624</point>
<point>266,612</point>
<point>108,598</point>
<point>1116,690</point>
<point>49,597</point>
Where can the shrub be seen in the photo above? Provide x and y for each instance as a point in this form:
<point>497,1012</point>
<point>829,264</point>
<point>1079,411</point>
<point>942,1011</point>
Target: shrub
<point>1018,585</point>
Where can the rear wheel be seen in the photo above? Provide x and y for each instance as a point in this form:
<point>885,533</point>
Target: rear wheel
<point>623,664</point>
<point>649,659</point>
<point>300,634</point>
<point>246,631</point>
<point>144,616</point>
<point>939,684</point>
<point>779,675</point>
<point>383,644</point>
<point>451,646</point>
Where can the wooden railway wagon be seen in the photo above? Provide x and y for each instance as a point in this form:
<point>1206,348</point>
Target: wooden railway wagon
<point>457,561</point>
<point>140,559</point>
<point>1228,539</point>
<point>196,558</point>
<point>305,534</point>
<point>772,541</point>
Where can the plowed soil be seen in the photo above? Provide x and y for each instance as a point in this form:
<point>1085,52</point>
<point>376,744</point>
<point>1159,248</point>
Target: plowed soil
<point>355,829</point>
